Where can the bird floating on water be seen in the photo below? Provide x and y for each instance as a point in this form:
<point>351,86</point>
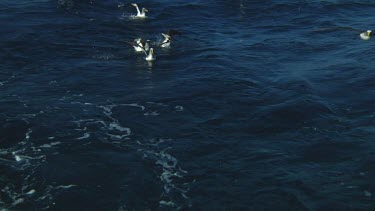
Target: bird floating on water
<point>366,35</point>
<point>140,14</point>
<point>140,45</point>
<point>150,57</point>
<point>168,38</point>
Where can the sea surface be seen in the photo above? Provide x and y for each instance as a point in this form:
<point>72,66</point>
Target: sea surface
<point>257,105</point>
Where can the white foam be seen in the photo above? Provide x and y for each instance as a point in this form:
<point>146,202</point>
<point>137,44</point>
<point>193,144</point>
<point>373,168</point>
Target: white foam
<point>183,171</point>
<point>116,126</point>
<point>4,152</point>
<point>17,158</point>
<point>18,201</point>
<point>134,105</point>
<point>153,142</point>
<point>167,203</point>
<point>78,122</point>
<point>179,108</point>
<point>159,104</point>
<point>367,193</point>
<point>86,135</point>
<point>65,186</point>
<point>52,82</point>
<point>32,191</point>
<point>50,144</point>
<point>28,133</point>
<point>117,137</point>
<point>112,127</point>
<point>170,171</point>
<point>184,195</point>
<point>85,128</point>
<point>107,109</point>
<point>132,17</point>
<point>7,81</point>
<point>153,113</point>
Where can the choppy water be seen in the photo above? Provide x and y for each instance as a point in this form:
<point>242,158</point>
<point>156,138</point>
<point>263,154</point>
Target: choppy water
<point>259,105</point>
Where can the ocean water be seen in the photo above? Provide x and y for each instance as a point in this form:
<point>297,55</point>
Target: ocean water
<point>258,105</point>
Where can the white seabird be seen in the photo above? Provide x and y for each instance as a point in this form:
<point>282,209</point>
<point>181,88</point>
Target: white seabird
<point>140,14</point>
<point>168,38</point>
<point>150,57</point>
<point>141,45</point>
<point>366,35</point>
<point>166,42</point>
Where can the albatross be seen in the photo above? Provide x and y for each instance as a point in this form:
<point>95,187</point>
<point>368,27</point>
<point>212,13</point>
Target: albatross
<point>168,37</point>
<point>366,35</point>
<point>140,14</point>
<point>150,57</point>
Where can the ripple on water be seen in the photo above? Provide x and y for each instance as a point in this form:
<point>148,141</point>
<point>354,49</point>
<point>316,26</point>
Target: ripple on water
<point>175,188</point>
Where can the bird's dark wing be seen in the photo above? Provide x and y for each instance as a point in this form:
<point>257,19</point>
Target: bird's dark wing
<point>160,44</point>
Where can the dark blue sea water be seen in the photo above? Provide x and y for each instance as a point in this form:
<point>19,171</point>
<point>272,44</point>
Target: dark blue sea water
<point>258,105</point>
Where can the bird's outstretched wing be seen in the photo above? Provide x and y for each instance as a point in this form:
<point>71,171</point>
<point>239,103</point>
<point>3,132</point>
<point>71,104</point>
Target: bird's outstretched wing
<point>165,42</point>
<point>166,36</point>
<point>136,44</point>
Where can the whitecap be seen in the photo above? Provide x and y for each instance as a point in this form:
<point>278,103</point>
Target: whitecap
<point>65,186</point>
<point>179,108</point>
<point>107,109</point>
<point>117,137</point>
<point>118,127</point>
<point>367,193</point>
<point>18,201</point>
<point>32,191</point>
<point>50,144</point>
<point>17,158</point>
<point>134,105</point>
<point>167,203</point>
<point>85,135</point>
<point>153,113</point>
<point>28,133</point>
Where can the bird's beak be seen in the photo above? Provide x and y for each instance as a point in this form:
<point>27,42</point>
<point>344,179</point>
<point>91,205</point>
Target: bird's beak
<point>146,10</point>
